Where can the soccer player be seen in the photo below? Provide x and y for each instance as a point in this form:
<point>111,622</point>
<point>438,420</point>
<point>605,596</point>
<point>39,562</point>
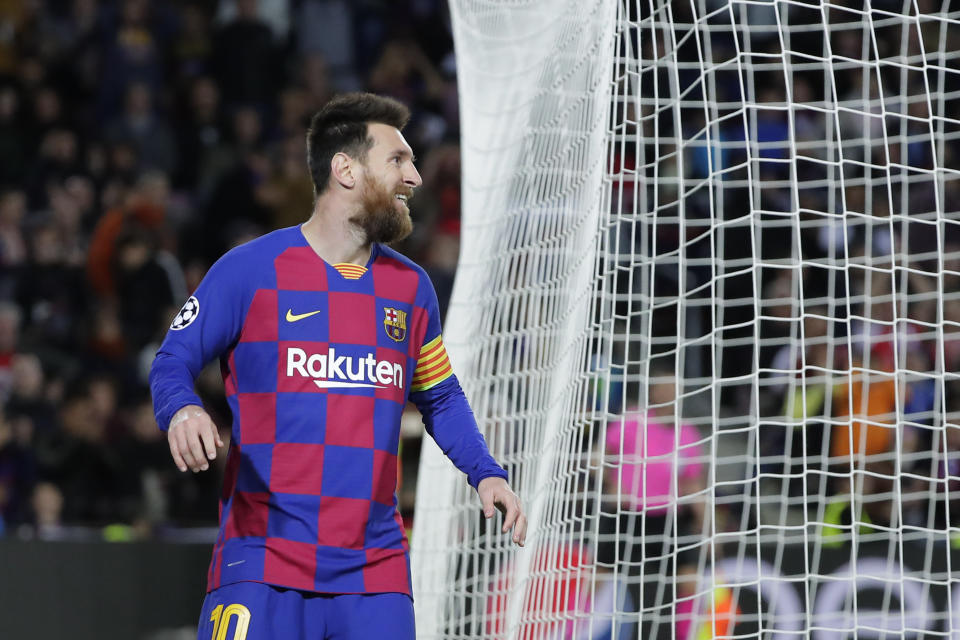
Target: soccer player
<point>323,334</point>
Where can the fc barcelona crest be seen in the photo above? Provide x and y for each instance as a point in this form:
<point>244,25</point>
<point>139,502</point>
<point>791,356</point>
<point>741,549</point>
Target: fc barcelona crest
<point>395,323</point>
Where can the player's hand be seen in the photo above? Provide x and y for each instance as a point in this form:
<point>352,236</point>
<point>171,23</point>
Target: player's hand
<point>193,438</point>
<point>495,492</point>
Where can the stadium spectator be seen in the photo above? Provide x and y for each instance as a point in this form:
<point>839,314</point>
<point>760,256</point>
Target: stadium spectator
<point>293,115</point>
<point>773,127</point>
<point>11,318</point>
<point>58,159</point>
<point>404,72</point>
<point>143,285</point>
<point>869,394</point>
<point>862,505</point>
<point>200,130</point>
<point>13,243</point>
<point>103,389</point>
<point>145,206</point>
<point>153,490</point>
<point>654,469</point>
<point>51,290</point>
<point>193,44</point>
<point>46,114</point>
<point>106,344</point>
<point>324,34</point>
<point>870,400</point>
<point>657,460</point>
<point>79,27</point>
<point>244,135</point>
<point>946,493</point>
<point>245,59</point>
<point>273,13</point>
<point>141,127</point>
<point>136,37</point>
<point>46,506</point>
<point>703,616</point>
<point>17,473</point>
<point>66,218</point>
<point>82,191</point>
<point>119,171</point>
<point>287,190</point>
<point>951,332</point>
<point>76,459</point>
<point>28,405</point>
<point>13,142</point>
<point>235,205</point>
<point>802,394</point>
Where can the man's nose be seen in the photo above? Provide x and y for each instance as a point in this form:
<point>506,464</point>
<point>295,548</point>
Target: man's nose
<point>412,177</point>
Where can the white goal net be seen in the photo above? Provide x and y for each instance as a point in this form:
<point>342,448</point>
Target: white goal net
<point>708,316</point>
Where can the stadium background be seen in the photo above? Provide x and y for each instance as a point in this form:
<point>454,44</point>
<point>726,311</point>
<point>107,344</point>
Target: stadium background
<point>138,141</point>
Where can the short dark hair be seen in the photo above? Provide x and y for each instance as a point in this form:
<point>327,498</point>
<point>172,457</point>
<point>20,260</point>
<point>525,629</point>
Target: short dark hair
<point>341,126</point>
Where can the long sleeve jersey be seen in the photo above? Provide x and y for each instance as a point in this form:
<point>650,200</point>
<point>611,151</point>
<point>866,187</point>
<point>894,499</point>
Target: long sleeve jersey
<point>318,362</point>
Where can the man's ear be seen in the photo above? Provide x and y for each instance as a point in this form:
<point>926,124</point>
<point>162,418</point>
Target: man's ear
<point>343,170</point>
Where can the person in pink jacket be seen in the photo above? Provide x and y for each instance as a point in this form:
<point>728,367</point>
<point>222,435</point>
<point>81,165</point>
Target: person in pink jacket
<point>653,488</point>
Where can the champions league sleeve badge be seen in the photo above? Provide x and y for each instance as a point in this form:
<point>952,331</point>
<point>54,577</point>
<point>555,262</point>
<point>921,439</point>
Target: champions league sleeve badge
<point>188,313</point>
<point>395,323</point>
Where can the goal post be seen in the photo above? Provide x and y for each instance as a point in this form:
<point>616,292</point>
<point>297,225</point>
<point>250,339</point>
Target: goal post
<point>533,118</point>
<point>707,312</point>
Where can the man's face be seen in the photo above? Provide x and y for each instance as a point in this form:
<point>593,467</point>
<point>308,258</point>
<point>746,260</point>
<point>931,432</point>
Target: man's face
<point>387,182</point>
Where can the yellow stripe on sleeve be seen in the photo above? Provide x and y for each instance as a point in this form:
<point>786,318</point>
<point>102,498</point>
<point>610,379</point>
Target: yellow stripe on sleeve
<point>429,372</point>
<point>432,347</point>
<point>433,366</point>
<point>423,384</point>
<point>429,361</point>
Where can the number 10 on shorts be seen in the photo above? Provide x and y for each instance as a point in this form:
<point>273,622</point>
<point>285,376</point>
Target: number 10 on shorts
<point>221,621</point>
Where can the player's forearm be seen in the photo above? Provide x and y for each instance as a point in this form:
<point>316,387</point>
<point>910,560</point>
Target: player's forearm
<point>461,441</point>
<point>450,421</point>
<point>171,385</point>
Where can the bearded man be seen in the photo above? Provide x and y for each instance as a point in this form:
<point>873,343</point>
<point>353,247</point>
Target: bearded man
<point>323,334</point>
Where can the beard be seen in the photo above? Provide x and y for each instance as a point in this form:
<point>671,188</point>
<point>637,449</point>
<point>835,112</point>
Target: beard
<point>380,217</point>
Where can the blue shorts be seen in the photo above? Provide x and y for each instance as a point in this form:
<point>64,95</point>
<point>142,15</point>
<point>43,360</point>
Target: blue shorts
<point>257,611</point>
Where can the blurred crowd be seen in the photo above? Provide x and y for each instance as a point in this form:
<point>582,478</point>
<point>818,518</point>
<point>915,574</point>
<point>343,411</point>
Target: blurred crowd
<point>809,294</point>
<point>816,278</point>
<point>139,140</point>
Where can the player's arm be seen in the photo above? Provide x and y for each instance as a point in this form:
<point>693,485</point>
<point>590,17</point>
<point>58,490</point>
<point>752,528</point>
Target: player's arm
<point>450,422</point>
<point>207,325</point>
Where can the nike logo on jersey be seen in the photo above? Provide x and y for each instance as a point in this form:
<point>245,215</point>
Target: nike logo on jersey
<point>294,317</point>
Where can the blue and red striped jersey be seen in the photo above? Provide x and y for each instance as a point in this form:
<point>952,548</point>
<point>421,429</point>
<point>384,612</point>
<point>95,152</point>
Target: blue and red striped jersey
<point>318,362</point>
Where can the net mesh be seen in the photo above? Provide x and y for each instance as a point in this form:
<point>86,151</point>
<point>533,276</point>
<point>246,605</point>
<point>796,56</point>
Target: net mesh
<point>708,315</point>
